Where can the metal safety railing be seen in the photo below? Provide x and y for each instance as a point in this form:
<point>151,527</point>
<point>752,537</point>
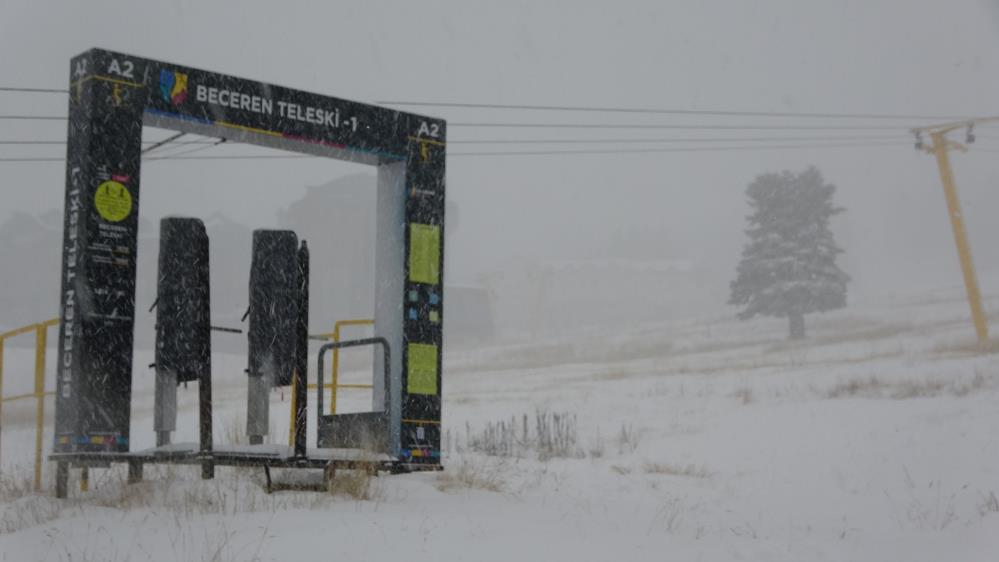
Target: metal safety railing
<point>335,385</point>
<point>335,371</point>
<point>41,330</point>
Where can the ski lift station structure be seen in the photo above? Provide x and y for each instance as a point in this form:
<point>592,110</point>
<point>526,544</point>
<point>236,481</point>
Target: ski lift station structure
<point>112,97</point>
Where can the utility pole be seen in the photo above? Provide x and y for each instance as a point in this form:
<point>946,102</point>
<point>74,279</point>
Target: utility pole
<point>940,146</point>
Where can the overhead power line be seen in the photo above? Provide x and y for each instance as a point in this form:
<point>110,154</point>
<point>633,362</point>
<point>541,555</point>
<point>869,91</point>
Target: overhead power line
<point>34,117</point>
<point>178,155</point>
<point>636,126</point>
<point>552,141</point>
<point>717,112</point>
<point>516,153</point>
<point>163,142</point>
<point>62,142</point>
<point>673,140</point>
<point>706,127</point>
<point>605,109</point>
<point>34,90</point>
<point>714,127</point>
<point>673,149</point>
<point>153,158</point>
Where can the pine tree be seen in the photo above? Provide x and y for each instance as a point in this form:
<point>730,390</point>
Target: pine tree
<point>788,268</point>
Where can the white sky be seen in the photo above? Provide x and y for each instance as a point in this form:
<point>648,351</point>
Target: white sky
<point>920,57</point>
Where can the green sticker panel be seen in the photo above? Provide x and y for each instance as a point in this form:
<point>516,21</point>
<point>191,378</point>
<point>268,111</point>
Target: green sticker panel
<point>424,253</point>
<point>422,371</point>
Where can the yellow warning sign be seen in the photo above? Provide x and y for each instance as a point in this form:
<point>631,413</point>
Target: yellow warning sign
<point>424,253</point>
<point>113,201</point>
<point>422,371</point>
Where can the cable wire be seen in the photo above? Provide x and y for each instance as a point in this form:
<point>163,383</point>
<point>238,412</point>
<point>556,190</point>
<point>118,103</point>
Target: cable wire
<point>34,90</point>
<point>598,109</point>
<point>63,143</point>
<point>178,155</point>
<point>675,149</point>
<point>617,125</point>
<point>35,117</point>
<point>707,127</point>
<point>716,112</point>
<point>563,141</point>
<point>516,153</point>
<point>163,142</point>
<point>673,140</point>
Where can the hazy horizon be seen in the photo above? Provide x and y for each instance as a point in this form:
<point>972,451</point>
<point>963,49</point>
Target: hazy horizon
<point>855,58</point>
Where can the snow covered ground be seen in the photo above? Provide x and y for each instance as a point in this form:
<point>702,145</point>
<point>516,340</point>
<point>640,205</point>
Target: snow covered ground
<point>875,439</point>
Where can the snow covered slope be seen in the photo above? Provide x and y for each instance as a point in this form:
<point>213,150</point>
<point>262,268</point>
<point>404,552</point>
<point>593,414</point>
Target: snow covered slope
<point>875,439</point>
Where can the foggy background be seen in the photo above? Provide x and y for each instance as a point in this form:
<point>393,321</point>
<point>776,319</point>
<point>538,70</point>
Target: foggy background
<point>545,244</point>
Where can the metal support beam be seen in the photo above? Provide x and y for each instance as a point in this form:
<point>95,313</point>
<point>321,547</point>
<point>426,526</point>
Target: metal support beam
<point>62,479</point>
<point>134,471</point>
<point>205,425</point>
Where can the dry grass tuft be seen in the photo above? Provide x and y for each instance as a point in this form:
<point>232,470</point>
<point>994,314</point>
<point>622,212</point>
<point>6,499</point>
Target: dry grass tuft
<point>845,334</point>
<point>355,484</point>
<point>966,348</point>
<point>470,476</point>
<point>554,436</point>
<point>989,504</point>
<point>15,485</point>
<point>855,387</point>
<point>597,447</point>
<point>627,439</point>
<point>744,395</point>
<point>177,490</point>
<point>671,469</point>
<point>873,387</point>
<point>613,375</point>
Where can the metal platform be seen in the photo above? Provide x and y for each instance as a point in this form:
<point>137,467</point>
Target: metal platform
<point>340,438</point>
<point>231,455</point>
<point>265,456</point>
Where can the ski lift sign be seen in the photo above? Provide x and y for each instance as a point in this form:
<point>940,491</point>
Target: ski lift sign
<point>112,97</point>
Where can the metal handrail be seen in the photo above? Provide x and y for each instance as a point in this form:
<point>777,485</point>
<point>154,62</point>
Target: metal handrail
<point>27,395</point>
<point>352,343</point>
<point>19,331</point>
<point>335,336</point>
<point>326,336</point>
<point>335,375</point>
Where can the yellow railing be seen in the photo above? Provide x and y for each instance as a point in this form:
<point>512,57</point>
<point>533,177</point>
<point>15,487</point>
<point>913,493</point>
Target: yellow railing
<point>335,383</point>
<point>335,380</point>
<point>39,394</point>
<point>41,330</point>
